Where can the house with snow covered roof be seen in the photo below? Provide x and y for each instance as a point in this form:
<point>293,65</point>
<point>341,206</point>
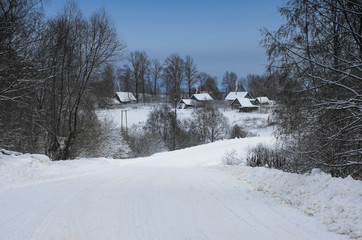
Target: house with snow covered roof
<point>243,104</point>
<point>201,97</point>
<point>125,97</point>
<point>186,103</point>
<point>234,95</point>
<point>263,100</point>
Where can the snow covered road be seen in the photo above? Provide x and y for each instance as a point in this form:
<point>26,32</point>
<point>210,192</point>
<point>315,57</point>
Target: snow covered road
<point>166,196</point>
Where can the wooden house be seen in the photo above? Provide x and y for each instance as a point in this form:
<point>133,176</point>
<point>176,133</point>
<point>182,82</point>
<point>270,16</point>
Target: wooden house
<point>125,97</point>
<point>201,97</point>
<point>263,100</point>
<point>234,95</point>
<point>186,103</point>
<point>243,104</point>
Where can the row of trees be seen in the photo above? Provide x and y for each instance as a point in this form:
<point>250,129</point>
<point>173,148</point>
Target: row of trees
<point>318,55</point>
<point>179,77</point>
<point>45,71</point>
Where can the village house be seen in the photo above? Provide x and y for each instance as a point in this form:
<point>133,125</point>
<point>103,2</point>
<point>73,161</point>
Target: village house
<point>243,104</point>
<point>263,100</point>
<point>201,97</point>
<point>234,95</point>
<point>125,97</point>
<point>186,103</point>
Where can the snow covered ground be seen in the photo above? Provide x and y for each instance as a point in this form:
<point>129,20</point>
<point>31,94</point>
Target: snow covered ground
<point>334,202</point>
<point>185,194</point>
<point>254,122</point>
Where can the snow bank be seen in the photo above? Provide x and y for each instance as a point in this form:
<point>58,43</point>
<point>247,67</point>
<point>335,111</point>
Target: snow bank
<point>18,168</point>
<point>335,202</point>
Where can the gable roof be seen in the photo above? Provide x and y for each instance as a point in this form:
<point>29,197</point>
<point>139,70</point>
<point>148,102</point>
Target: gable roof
<point>244,102</point>
<point>188,102</point>
<point>125,96</point>
<point>263,99</point>
<point>201,97</point>
<point>234,95</point>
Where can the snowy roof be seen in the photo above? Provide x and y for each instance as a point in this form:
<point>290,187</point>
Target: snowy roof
<point>115,101</point>
<point>202,97</point>
<point>244,102</point>
<point>125,96</point>
<point>188,102</point>
<point>234,95</point>
<point>263,99</point>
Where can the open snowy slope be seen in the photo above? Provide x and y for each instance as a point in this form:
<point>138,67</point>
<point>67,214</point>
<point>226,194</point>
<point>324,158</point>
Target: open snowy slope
<point>173,195</point>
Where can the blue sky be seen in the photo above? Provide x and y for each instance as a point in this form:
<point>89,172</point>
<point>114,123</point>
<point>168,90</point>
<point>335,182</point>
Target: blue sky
<point>220,35</point>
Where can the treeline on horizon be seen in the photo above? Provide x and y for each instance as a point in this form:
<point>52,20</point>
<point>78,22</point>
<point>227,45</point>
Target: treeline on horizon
<point>177,77</point>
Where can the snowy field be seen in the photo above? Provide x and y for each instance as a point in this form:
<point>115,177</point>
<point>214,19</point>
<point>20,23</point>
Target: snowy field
<point>183,194</point>
<point>254,122</point>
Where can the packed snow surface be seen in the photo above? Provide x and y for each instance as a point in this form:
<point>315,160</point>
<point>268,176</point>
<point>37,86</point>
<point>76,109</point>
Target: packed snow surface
<point>184,194</point>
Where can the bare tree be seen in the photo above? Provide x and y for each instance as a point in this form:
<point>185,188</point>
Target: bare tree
<point>124,79</point>
<point>103,83</point>
<point>140,64</point>
<point>174,75</point>
<point>209,84</point>
<point>211,124</point>
<point>228,82</point>
<point>156,72</point>
<point>74,47</point>
<point>20,24</point>
<point>320,46</point>
<point>190,74</point>
<point>256,84</point>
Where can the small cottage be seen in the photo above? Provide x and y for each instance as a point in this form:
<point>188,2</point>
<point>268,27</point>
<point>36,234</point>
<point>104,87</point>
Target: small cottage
<point>243,104</point>
<point>201,97</point>
<point>125,97</point>
<point>186,103</point>
<point>263,100</point>
<point>234,95</point>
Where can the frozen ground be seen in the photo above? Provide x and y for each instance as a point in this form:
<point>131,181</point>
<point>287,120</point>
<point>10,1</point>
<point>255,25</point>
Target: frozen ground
<point>185,194</point>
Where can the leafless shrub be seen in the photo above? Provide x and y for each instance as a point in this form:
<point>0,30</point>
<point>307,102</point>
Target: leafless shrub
<point>263,156</point>
<point>143,143</point>
<point>231,158</point>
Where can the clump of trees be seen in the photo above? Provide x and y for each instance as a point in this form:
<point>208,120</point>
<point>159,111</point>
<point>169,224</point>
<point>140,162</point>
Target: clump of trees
<point>238,132</point>
<point>164,131</point>
<point>210,123</point>
<point>317,54</point>
<point>46,69</point>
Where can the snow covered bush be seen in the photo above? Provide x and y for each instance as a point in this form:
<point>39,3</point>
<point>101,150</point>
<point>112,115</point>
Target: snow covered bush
<point>231,158</point>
